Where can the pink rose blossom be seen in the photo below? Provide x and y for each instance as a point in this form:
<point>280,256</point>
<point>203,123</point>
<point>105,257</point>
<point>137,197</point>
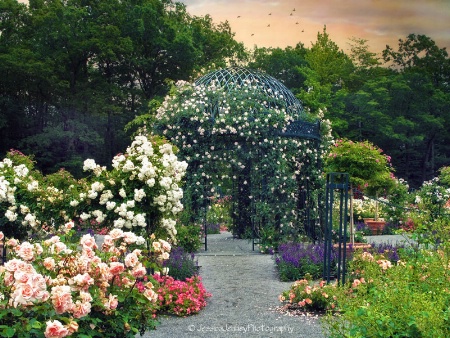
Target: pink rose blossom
<point>49,263</point>
<point>55,329</point>
<point>116,234</point>
<point>26,251</point>
<point>61,298</point>
<point>111,302</point>
<point>116,268</point>
<point>81,309</point>
<point>89,241</point>
<point>131,260</point>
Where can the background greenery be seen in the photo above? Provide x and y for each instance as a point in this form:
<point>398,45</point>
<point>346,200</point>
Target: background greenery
<point>74,73</point>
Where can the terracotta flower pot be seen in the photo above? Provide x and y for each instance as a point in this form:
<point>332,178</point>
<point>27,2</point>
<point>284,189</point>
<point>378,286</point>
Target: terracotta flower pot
<point>376,227</point>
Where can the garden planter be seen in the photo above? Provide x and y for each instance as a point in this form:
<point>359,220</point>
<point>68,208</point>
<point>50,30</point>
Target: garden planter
<point>350,249</point>
<point>376,227</point>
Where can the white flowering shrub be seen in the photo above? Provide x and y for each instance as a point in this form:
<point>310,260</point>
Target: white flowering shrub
<point>141,193</point>
<point>229,138</point>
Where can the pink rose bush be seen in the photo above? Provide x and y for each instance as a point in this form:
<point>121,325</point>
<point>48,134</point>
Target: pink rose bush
<point>57,289</point>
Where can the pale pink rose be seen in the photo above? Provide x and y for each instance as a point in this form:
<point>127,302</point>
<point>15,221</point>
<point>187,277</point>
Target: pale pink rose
<point>137,252</point>
<point>102,271</point>
<point>26,267</point>
<point>82,281</point>
<point>41,295</point>
<point>127,282</point>
<point>108,241</point>
<point>8,278</point>
<point>85,297</point>
<point>111,303</point>
<point>355,283</point>
<point>151,295</point>
<point>12,243</point>
<point>2,236</point>
<point>22,295</point>
<point>164,256</point>
<point>49,263</point>
<point>139,271</point>
<point>89,241</point>
<point>81,309</point>
<point>53,240</point>
<point>26,251</point>
<point>116,233</point>
<point>72,327</point>
<point>61,298</point>
<point>55,329</point>
<point>69,225</point>
<point>165,245</point>
<point>131,260</point>
<point>22,277</point>
<point>12,265</point>
<point>116,268</point>
<point>58,247</point>
<point>40,281</point>
<point>88,252</point>
<point>129,237</point>
<point>156,246</point>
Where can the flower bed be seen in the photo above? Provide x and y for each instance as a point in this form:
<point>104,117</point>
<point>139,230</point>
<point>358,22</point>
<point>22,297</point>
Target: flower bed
<point>296,260</point>
<point>58,288</point>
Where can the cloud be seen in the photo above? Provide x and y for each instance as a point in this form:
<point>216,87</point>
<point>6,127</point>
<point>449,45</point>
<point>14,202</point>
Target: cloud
<point>380,22</point>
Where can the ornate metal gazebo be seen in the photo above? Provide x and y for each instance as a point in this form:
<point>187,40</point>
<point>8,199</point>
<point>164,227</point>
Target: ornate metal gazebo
<point>256,202</point>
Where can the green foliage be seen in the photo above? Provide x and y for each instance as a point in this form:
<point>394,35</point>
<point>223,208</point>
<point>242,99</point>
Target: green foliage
<point>77,72</point>
<point>365,163</point>
<point>189,237</point>
<point>384,300</point>
<point>219,212</point>
<point>181,264</point>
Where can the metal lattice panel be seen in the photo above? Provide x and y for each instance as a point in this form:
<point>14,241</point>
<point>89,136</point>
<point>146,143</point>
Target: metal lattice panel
<point>238,77</point>
<point>302,129</point>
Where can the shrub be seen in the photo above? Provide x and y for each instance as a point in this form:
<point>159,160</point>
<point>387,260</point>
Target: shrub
<point>181,298</point>
<point>189,237</point>
<point>406,299</point>
<point>181,265</point>
<point>78,289</point>
<point>316,297</point>
<point>296,260</point>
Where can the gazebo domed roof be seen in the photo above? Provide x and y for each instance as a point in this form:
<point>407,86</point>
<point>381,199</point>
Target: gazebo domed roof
<point>239,77</point>
<point>233,77</point>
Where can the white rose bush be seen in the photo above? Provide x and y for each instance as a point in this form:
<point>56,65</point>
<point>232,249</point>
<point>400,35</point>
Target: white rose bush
<point>141,193</point>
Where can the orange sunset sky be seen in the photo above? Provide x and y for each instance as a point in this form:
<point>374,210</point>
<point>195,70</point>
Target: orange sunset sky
<point>380,22</point>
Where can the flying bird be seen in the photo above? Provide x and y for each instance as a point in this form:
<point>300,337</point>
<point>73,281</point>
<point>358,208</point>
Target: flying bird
<point>293,10</point>
<point>291,14</point>
<point>270,13</point>
<point>303,30</point>
<point>296,23</point>
<point>239,16</point>
<point>268,25</point>
<point>252,34</point>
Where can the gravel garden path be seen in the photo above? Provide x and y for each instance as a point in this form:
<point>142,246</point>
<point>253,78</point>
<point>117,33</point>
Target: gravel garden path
<point>244,302</point>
